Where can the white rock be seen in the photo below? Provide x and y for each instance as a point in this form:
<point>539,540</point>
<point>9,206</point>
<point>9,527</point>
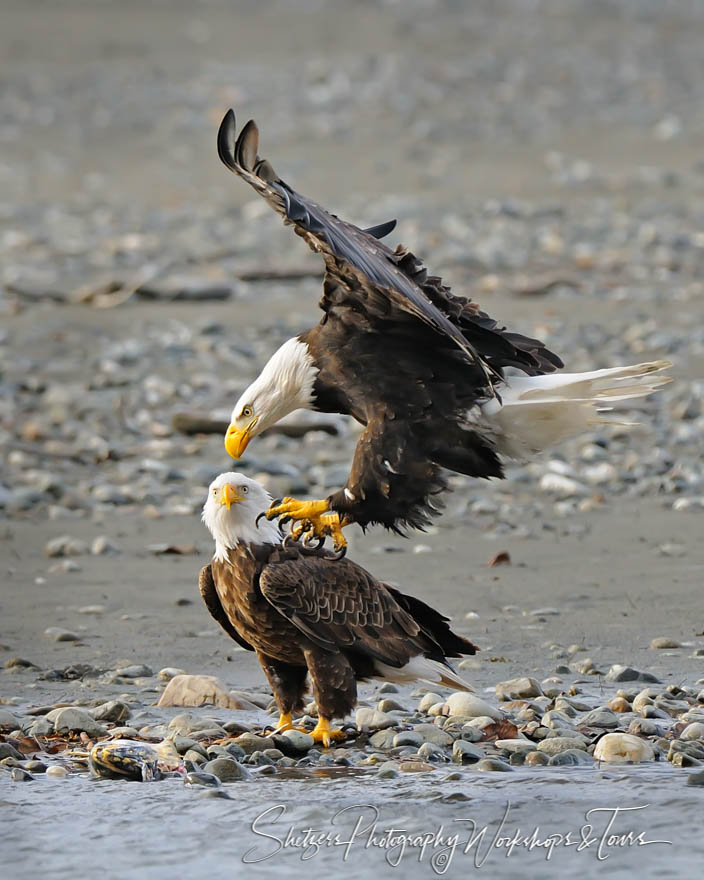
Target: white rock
<point>428,700</point>
<point>621,748</point>
<point>169,672</point>
<point>562,487</point>
<point>56,771</point>
<point>516,745</point>
<point>695,730</point>
<point>599,474</point>
<point>373,719</point>
<point>479,723</point>
<point>462,703</point>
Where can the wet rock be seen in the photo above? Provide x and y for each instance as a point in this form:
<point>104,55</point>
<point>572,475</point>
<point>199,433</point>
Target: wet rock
<point>9,751</point>
<point>465,752</point>
<point>620,748</point>
<point>382,739</point>
<point>556,744</point>
<point>493,765</point>
<point>434,735</point>
<point>201,779</point>
<point>137,670</point>
<point>628,673</point>
<point>415,767</point>
<point>35,766</point>
<point>557,720</point>
<point>387,770</point>
<point>463,703</point>
<point>570,757</point>
<point>197,690</point>
<point>7,720</point>
<point>695,730</point>
<point>409,738</point>
<point>17,774</point>
<point>298,741</point>
<point>643,727</point>
<point>56,771</point>
<point>72,719</point>
<point>518,689</point>
<point>187,723</point>
<point>226,769</point>
<point>696,778</point>
<point>113,710</point>
<point>534,759</point>
<point>516,745</point>
<point>600,717</point>
<point>250,742</point>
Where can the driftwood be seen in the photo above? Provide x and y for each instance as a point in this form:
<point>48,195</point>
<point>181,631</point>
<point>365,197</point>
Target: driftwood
<point>199,423</point>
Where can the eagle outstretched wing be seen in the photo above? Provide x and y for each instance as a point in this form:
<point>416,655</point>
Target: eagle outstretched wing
<point>339,605</point>
<point>365,273</point>
<point>206,585</point>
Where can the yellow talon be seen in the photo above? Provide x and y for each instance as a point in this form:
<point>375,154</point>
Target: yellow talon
<point>285,722</point>
<point>322,733</point>
<point>311,518</point>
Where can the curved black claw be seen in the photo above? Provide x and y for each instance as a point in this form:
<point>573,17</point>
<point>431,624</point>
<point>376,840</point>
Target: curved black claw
<point>339,554</point>
<point>287,541</point>
<point>259,516</point>
<point>285,519</point>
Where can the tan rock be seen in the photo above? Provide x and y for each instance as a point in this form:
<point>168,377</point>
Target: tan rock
<point>621,748</point>
<point>197,690</point>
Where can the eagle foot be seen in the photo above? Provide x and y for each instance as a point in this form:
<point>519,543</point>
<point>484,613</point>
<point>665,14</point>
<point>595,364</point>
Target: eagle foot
<point>323,733</point>
<point>284,723</point>
<point>311,519</point>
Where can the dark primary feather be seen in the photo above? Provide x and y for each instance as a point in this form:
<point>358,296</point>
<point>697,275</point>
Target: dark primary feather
<point>209,594</point>
<point>397,351</point>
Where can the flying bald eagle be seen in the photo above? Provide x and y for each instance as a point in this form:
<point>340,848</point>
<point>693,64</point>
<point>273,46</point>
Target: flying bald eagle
<point>305,613</point>
<point>421,369</point>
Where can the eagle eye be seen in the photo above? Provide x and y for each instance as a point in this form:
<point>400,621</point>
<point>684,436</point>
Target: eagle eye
<point>247,411</point>
<point>244,489</point>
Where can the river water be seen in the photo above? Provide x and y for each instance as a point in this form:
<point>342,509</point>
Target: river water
<point>537,823</point>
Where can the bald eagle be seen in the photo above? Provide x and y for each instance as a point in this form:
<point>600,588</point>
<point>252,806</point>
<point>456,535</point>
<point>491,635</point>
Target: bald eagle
<point>422,371</point>
<point>304,613</point>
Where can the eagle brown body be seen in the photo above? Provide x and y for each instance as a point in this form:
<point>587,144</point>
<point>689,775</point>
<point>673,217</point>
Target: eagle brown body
<point>309,613</point>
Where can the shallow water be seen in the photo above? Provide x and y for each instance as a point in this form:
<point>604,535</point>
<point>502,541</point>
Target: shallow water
<point>74,827</point>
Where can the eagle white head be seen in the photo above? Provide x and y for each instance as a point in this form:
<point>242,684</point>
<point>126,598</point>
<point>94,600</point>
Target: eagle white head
<point>230,513</point>
<point>284,385</point>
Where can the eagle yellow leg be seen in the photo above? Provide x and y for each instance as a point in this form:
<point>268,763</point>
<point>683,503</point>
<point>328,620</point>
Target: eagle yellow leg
<point>285,722</point>
<point>312,518</point>
<point>322,733</point>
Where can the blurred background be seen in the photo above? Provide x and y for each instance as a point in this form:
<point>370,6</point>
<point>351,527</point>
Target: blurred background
<point>544,156</point>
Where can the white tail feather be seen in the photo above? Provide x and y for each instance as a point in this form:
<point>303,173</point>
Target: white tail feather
<point>423,669</point>
<point>538,411</point>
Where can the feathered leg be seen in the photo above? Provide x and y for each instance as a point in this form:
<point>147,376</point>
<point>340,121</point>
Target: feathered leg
<point>288,684</point>
<point>334,689</point>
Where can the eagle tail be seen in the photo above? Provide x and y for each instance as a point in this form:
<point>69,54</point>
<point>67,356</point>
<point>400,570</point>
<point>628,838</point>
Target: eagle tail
<point>420,668</point>
<point>538,411</point>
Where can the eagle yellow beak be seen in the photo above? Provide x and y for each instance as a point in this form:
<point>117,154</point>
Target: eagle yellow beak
<point>227,495</point>
<point>236,441</point>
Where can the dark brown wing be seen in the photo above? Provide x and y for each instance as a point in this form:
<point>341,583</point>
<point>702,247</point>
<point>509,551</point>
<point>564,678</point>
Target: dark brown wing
<point>340,606</point>
<point>206,585</point>
<point>370,271</point>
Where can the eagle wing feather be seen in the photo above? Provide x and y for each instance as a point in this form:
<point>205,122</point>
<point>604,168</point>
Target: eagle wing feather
<point>367,267</point>
<point>339,605</point>
<point>206,585</point>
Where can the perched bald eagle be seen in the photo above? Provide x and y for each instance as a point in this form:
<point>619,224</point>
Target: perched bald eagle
<point>304,613</point>
<point>421,369</point>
